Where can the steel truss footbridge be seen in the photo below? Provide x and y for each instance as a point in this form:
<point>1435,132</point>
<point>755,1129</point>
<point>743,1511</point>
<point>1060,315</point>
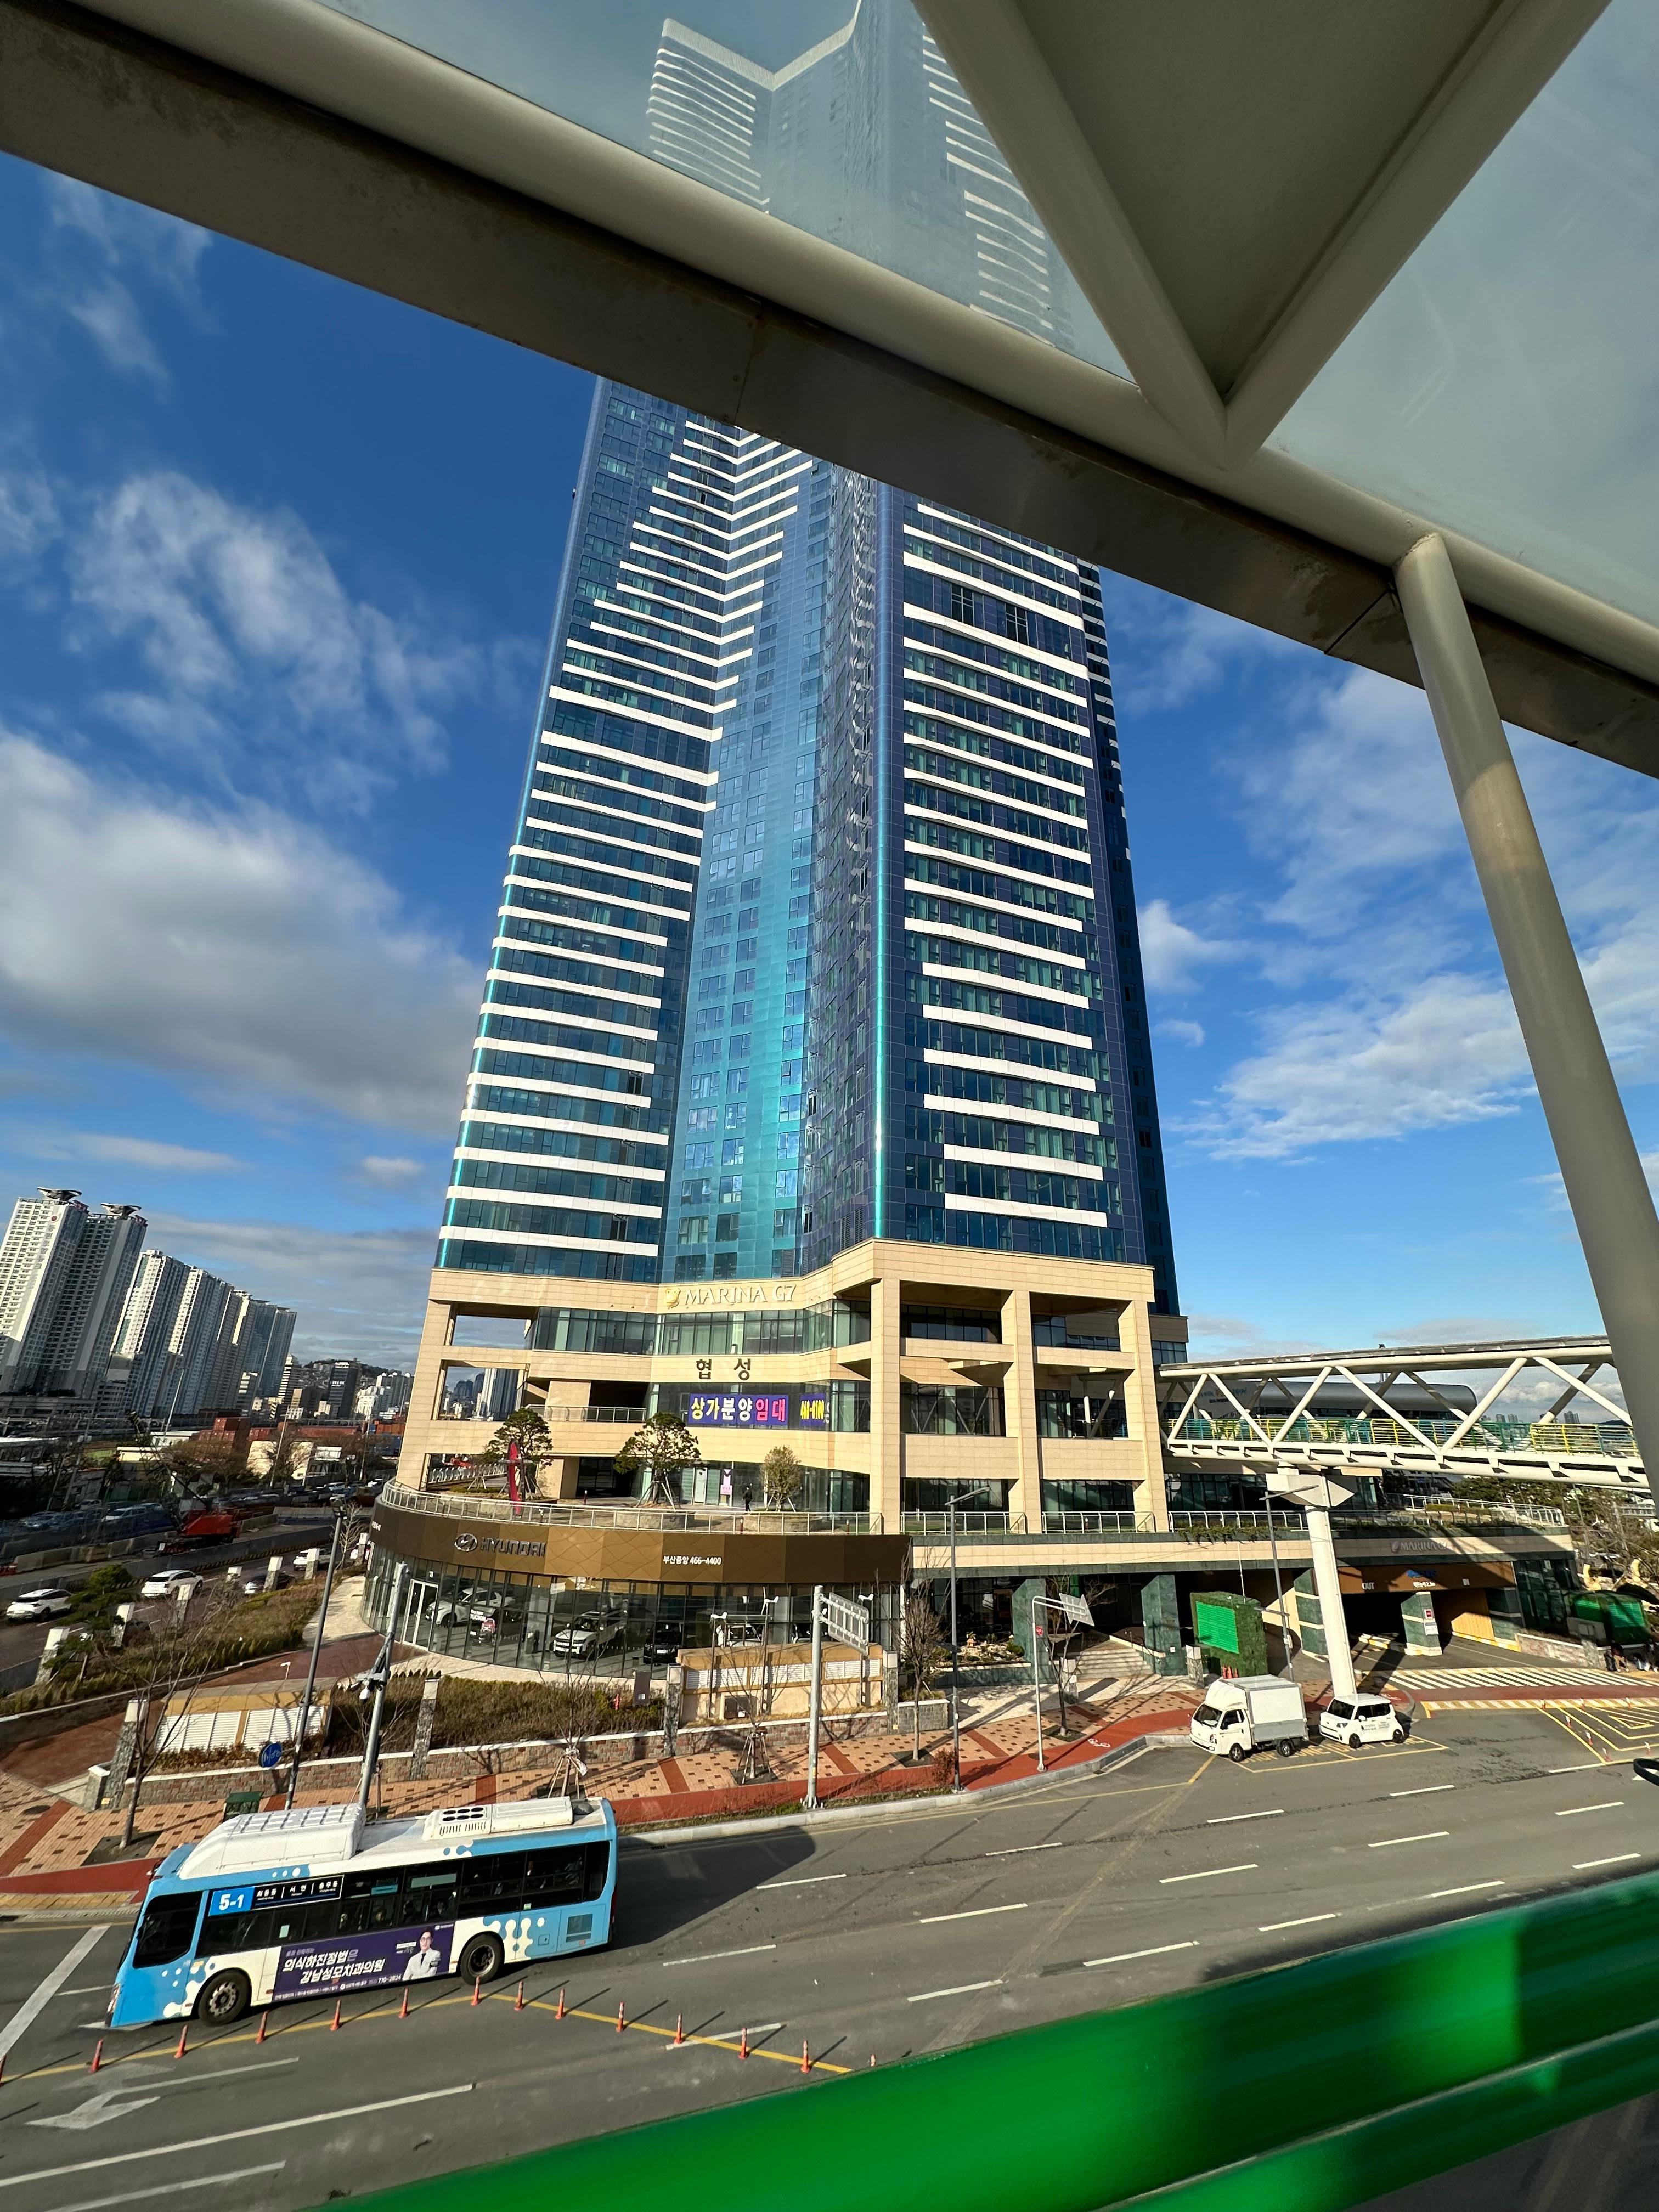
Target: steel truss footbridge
<point>1261,1412</point>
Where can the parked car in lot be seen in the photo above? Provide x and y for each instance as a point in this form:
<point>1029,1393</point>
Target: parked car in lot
<point>1248,1713</point>
<point>1366,1720</point>
<point>581,1639</point>
<point>167,1580</point>
<point>665,1643</point>
<point>39,1605</point>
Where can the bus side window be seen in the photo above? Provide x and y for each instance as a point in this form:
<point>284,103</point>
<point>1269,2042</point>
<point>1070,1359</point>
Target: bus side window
<point>553,1877</point>
<point>429,1896</point>
<point>598,1871</point>
<point>491,1883</point>
<point>370,1901</point>
<point>165,1931</point>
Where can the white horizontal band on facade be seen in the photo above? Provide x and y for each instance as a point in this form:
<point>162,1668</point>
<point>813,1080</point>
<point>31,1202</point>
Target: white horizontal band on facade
<point>554,1204</point>
<point>554,1089</point>
<point>716,660</point>
<point>631,969</point>
<point>1043,1163</point>
<point>959,935</point>
<point>673,616</point>
<point>981,899</point>
<point>926,779</point>
<point>553,1021</point>
<point>987,1109</point>
<point>971,1018</point>
<point>704,591</point>
<point>1054,661</point>
<point>574,1128</point>
<point>913,560</point>
<point>583,1167</point>
<point>931,1058</point>
<point>1081,757</point>
<point>1063,562</point>
<point>643,999</point>
<point>675,722</point>
<point>1017,1209</point>
<point>982,980</point>
<point>934,779</point>
<point>639,931</point>
<point>619,667</point>
<point>601,781</point>
<point>603,836</point>
<point>998,867</point>
<point>556,1051</point>
<point>639,895</point>
<point>553,1243</point>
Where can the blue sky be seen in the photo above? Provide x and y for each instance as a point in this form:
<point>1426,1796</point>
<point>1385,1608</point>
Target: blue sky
<point>276,559</point>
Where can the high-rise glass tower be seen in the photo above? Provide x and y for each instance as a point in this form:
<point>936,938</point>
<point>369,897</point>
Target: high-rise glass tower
<point>818,924</point>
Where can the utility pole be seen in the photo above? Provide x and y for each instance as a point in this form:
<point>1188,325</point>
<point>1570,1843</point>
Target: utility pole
<point>316,1654</point>
<point>815,1702</point>
<point>378,1676</point>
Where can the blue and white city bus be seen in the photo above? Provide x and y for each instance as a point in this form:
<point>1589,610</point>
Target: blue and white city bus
<point>312,1903</point>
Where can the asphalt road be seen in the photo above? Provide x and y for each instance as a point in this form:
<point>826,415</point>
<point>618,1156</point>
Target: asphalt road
<point>26,1639</point>
<point>883,1938</point>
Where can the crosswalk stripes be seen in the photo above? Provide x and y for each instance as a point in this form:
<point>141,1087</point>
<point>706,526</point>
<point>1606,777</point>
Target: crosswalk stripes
<point>1544,1675</point>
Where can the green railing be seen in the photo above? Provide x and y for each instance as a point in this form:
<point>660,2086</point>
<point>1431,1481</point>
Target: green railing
<point>1316,2087</point>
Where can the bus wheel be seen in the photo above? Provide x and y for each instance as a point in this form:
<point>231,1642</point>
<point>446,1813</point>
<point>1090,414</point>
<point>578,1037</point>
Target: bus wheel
<point>224,1999</point>
<point>482,1960</point>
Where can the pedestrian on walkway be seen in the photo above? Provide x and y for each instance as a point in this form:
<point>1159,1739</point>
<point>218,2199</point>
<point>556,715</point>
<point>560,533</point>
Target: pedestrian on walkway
<point>748,1497</point>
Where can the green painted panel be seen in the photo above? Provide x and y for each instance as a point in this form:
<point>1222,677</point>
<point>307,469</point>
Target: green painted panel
<point>1216,1625</point>
<point>1476,2027</point>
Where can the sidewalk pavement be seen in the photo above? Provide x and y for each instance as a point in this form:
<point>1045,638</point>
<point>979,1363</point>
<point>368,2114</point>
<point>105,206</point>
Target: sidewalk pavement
<point>52,1854</point>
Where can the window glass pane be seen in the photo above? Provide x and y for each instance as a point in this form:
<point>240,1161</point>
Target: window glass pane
<point>165,1931</point>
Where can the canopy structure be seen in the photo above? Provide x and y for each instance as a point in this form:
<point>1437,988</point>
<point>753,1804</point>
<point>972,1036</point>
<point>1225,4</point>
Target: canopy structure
<point>1322,274</point>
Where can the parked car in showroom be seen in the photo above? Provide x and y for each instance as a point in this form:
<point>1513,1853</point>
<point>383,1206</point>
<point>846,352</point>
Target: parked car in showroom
<point>39,1605</point>
<point>592,1633</point>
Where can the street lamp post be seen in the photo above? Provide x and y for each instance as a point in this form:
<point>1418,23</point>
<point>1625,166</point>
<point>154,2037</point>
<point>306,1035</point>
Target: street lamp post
<point>951,1505</point>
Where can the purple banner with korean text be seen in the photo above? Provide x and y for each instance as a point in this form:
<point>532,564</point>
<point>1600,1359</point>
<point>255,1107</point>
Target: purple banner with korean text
<point>813,1409</point>
<point>728,1409</point>
<point>368,1961</point>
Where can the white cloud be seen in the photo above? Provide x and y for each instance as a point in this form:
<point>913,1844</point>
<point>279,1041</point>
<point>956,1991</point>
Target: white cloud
<point>29,518</point>
<point>1183,1032</point>
<point>99,243</point>
<point>1165,651</point>
<point>1173,957</point>
<point>129,1152</point>
<point>389,1174</point>
<point>358,1293</point>
<point>262,667</point>
<point>228,947</point>
<point>1338,1073</point>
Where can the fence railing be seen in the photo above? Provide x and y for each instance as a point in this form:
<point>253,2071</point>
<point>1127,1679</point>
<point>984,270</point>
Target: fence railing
<point>967,1524</point>
<point>556,1513</point>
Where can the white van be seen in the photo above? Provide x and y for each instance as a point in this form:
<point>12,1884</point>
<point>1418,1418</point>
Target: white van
<point>1366,1720</point>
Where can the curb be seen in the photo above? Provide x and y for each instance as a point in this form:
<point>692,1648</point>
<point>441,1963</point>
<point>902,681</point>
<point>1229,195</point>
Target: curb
<point>1119,1755</point>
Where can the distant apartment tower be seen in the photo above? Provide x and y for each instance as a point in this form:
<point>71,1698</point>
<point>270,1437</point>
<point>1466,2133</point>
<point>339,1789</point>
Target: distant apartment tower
<point>64,1274</point>
<point>138,1358</point>
<point>270,1332</point>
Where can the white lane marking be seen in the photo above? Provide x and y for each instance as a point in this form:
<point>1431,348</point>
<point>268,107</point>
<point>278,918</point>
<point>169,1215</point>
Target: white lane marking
<point>800,1881</point>
<point>1271,1927</point>
<point>1584,1767</point>
<point>1607,1805</point>
<point>1464,1889</point>
<point>1424,1789</point>
<point>1206,1873</point>
<point>1156,1951</point>
<point>234,2134</point>
<point>701,1957</point>
<point>1016,1850</point>
<point>978,1912</point>
<point>1221,1819</point>
<point>1618,1858</point>
<point>174,2188</point>
<point>1429,1835</point>
<point>33,2006</point>
<point>108,2104</point>
<point>962,1989</point>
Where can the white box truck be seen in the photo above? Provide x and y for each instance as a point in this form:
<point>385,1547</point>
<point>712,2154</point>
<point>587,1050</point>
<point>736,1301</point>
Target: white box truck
<point>1250,1712</point>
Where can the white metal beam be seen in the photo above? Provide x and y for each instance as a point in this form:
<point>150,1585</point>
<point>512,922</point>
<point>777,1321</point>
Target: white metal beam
<point>1001,69</point>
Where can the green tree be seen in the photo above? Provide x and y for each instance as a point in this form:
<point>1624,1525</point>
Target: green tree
<point>780,1477</point>
<point>528,1430</point>
<point>658,1451</point>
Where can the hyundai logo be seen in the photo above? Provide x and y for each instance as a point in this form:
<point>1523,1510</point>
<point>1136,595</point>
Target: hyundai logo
<point>466,1543</point>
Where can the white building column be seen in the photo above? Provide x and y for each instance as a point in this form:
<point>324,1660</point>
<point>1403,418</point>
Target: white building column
<point>1600,1166</point>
